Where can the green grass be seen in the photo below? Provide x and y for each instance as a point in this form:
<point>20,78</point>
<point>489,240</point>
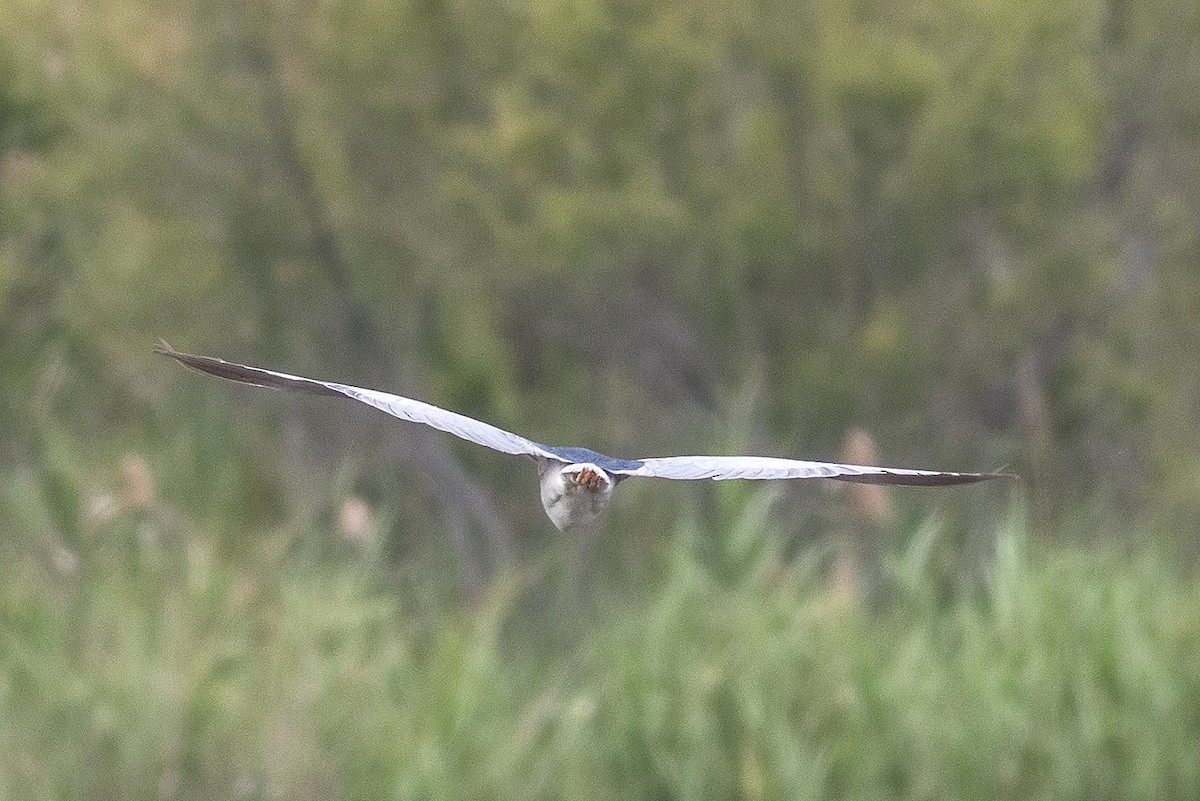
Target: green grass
<point>162,664</point>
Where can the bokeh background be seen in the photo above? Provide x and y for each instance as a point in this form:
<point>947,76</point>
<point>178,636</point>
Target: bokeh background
<point>956,234</point>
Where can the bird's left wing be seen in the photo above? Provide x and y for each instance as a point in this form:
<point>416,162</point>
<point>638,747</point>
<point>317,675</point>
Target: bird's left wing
<point>767,467</point>
<point>415,411</point>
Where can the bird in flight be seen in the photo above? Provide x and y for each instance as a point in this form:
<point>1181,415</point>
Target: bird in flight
<point>576,483</point>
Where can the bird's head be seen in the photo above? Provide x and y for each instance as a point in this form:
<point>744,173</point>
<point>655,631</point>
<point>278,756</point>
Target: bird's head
<point>586,477</point>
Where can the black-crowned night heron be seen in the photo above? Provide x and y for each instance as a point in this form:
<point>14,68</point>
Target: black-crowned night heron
<point>577,483</point>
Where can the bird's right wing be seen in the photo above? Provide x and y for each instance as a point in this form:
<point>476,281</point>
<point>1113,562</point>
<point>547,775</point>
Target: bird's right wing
<point>766,467</point>
<point>414,411</point>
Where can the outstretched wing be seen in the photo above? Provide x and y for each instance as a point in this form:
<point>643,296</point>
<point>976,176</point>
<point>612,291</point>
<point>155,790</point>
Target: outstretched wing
<point>766,467</point>
<point>405,408</point>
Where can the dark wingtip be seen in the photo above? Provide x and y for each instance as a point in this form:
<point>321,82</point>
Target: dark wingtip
<point>243,374</point>
<point>202,363</point>
<point>212,366</point>
<point>940,480</point>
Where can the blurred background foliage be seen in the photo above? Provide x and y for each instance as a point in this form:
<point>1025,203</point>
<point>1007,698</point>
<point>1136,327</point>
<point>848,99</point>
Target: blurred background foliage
<point>948,233</point>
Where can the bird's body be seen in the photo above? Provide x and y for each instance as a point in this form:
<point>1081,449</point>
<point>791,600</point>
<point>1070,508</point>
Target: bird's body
<point>576,483</point>
<point>574,495</point>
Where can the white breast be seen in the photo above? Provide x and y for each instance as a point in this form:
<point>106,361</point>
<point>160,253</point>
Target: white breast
<point>574,494</point>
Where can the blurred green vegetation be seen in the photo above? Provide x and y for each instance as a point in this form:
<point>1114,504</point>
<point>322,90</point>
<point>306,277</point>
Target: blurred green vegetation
<point>955,234</point>
<point>966,227</point>
<point>155,665</point>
